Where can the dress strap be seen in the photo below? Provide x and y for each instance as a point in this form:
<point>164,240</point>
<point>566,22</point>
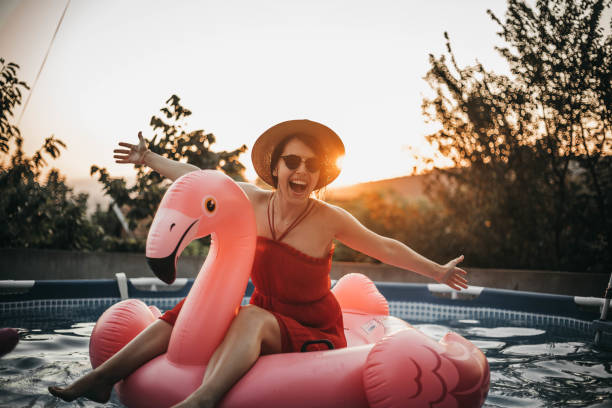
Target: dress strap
<point>294,224</point>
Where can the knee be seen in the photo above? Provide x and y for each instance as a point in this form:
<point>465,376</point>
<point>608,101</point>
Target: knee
<point>262,324</point>
<point>251,312</point>
<point>254,316</point>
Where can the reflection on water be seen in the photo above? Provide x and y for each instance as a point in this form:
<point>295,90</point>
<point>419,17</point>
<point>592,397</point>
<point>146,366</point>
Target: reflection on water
<point>530,367</point>
<point>45,357</point>
<point>503,332</point>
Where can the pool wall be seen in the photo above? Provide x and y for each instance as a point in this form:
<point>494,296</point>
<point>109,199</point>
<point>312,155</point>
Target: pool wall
<point>38,264</point>
<point>423,302</point>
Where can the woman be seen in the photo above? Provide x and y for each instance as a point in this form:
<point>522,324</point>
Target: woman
<point>292,305</point>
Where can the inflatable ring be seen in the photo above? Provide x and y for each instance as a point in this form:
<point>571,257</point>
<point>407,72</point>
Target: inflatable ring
<point>387,362</point>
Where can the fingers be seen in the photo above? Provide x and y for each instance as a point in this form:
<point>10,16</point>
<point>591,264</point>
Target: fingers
<point>122,158</point>
<point>460,271</point>
<point>141,141</point>
<point>131,146</point>
<point>457,279</point>
<point>123,155</point>
<point>453,263</point>
<point>457,286</point>
<point>460,276</point>
<point>460,284</point>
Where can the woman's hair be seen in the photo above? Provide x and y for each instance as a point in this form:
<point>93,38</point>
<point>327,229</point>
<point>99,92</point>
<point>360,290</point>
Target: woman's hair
<point>309,141</point>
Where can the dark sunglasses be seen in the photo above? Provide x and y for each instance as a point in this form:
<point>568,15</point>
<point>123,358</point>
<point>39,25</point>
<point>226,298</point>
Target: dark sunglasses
<point>293,161</point>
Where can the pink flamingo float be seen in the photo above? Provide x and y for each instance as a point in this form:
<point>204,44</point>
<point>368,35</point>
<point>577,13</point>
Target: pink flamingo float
<point>387,362</point>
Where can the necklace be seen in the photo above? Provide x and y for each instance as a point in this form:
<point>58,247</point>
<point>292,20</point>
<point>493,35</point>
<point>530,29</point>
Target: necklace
<point>295,222</point>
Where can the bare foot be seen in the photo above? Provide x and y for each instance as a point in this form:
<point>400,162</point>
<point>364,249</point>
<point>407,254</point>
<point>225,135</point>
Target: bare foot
<point>89,386</point>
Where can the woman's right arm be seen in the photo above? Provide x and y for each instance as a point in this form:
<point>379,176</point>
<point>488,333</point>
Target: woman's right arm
<point>140,154</point>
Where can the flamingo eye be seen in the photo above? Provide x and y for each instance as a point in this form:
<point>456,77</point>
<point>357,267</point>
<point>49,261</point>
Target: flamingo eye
<point>210,205</point>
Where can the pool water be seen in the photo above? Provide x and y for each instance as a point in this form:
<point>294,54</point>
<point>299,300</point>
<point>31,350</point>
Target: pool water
<point>548,366</point>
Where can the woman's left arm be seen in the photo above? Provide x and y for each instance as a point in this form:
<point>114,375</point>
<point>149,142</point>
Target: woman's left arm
<point>348,230</point>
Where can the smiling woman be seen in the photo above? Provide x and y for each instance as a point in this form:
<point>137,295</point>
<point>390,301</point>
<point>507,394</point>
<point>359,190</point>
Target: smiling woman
<point>326,149</point>
<point>292,307</point>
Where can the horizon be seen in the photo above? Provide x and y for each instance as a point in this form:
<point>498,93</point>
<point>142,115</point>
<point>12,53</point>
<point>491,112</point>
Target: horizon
<point>96,195</point>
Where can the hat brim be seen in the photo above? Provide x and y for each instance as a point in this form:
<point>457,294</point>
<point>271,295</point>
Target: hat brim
<point>261,155</point>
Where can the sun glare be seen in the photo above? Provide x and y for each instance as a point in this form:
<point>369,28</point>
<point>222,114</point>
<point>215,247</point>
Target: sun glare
<point>340,162</point>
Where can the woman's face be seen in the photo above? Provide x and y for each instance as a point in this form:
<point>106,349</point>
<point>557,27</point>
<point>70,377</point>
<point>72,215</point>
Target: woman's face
<point>296,185</point>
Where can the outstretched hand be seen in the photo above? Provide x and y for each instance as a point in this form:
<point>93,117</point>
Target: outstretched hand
<point>453,276</point>
<point>133,154</point>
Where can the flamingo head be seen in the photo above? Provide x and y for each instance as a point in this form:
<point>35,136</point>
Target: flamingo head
<point>197,204</point>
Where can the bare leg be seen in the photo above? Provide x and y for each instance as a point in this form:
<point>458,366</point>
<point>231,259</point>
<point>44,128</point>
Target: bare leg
<point>98,384</point>
<point>253,332</point>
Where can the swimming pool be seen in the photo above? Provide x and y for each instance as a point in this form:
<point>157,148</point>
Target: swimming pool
<point>540,347</point>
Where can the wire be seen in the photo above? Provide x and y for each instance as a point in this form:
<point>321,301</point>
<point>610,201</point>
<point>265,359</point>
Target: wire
<point>43,64</point>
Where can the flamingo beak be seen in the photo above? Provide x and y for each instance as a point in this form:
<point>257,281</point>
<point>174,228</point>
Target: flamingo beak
<point>170,233</point>
<point>164,268</point>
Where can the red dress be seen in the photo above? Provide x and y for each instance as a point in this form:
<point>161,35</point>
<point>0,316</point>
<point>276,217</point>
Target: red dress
<point>295,288</point>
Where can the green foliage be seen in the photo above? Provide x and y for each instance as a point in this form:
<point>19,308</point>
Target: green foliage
<point>43,214</point>
<point>533,188</point>
<point>114,238</point>
<point>108,221</point>
<point>173,141</point>
<point>10,96</point>
<point>193,147</point>
<point>38,210</point>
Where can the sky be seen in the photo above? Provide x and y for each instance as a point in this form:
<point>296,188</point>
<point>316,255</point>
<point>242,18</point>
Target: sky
<point>240,66</point>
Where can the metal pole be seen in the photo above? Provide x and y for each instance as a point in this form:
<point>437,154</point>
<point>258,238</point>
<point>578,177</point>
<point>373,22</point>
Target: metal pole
<point>604,310</point>
<point>122,220</point>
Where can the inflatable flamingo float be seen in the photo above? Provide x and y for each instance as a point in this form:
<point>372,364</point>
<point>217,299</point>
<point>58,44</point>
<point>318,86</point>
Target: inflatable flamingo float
<point>387,362</point>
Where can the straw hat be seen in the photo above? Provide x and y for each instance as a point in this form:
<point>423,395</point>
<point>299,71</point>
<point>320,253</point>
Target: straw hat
<point>261,155</point>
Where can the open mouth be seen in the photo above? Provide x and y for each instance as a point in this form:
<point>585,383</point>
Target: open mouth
<point>298,186</point>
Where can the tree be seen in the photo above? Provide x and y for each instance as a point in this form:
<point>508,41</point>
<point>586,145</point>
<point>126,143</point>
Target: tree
<point>38,210</point>
<point>173,141</point>
<point>10,96</point>
<point>562,57</point>
<point>531,149</point>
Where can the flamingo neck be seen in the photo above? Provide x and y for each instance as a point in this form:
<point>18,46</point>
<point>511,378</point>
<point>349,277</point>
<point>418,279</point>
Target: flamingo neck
<point>214,298</point>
